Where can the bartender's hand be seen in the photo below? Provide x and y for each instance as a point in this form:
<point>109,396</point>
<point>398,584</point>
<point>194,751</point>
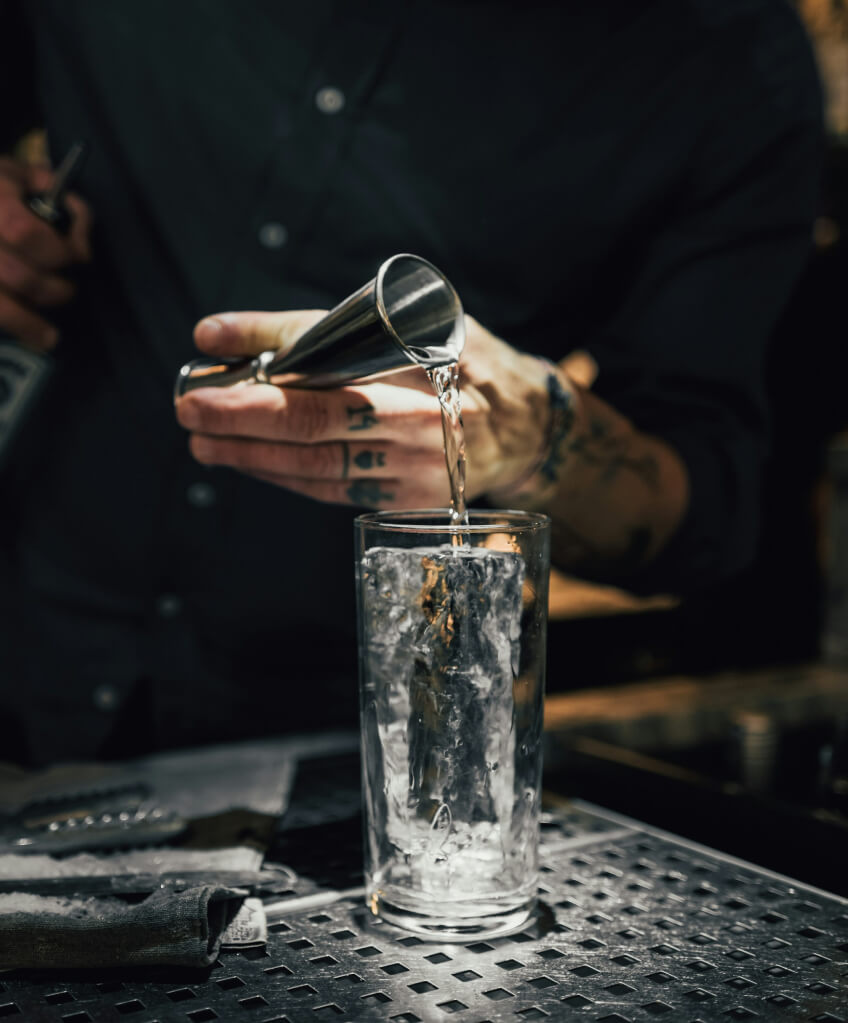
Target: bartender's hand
<point>377,444</point>
<point>33,256</point>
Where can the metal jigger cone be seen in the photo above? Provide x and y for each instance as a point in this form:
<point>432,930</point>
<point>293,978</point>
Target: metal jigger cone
<point>409,314</point>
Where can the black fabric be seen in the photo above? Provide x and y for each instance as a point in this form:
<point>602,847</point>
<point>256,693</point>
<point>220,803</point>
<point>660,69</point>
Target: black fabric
<point>635,179</point>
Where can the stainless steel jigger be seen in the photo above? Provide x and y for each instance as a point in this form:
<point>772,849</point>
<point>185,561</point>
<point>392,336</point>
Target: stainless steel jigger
<point>408,314</point>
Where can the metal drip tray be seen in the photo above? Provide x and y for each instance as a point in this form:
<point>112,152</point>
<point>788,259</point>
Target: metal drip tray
<point>633,924</point>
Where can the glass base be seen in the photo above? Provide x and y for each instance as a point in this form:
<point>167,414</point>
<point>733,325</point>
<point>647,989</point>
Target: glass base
<point>454,928</point>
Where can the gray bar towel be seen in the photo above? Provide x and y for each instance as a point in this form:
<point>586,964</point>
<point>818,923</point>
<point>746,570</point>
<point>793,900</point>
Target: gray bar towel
<point>166,928</point>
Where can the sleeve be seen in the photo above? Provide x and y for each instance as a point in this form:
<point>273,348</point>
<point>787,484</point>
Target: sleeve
<point>19,111</point>
<point>684,356</point>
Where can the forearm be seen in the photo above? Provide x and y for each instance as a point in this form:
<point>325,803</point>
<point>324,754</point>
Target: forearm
<point>615,495</point>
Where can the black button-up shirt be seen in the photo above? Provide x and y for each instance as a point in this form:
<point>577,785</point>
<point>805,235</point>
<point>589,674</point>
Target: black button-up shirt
<point>635,179</point>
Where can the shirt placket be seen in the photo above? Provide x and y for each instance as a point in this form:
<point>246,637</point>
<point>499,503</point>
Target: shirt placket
<point>343,73</point>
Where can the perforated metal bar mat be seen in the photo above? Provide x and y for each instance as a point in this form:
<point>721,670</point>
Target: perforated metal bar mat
<point>633,925</point>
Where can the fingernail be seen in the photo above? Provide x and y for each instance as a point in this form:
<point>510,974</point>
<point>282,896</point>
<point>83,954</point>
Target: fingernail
<point>210,326</point>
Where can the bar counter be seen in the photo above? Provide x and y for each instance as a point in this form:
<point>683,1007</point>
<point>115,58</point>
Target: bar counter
<point>633,924</point>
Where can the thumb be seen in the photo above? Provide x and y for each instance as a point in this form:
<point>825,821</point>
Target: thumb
<point>249,333</point>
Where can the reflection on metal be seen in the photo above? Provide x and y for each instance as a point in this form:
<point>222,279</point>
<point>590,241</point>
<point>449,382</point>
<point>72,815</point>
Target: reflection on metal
<point>409,314</point>
<point>632,923</point>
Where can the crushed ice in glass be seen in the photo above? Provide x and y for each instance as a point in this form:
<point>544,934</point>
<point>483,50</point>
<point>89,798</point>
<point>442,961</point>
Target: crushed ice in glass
<point>441,640</point>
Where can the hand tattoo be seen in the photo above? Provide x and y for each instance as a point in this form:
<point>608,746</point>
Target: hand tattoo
<point>601,447</point>
<point>368,459</point>
<point>368,492</point>
<point>362,416</point>
<point>605,451</point>
<point>562,420</point>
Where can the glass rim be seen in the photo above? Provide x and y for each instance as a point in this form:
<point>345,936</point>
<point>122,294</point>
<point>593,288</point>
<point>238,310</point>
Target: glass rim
<point>497,520</point>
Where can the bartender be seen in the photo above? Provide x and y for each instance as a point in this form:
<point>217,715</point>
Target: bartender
<point>634,180</point>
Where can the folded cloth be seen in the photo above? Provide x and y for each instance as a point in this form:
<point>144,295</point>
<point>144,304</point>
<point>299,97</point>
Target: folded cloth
<point>166,928</point>
<point>160,860</point>
<point>229,797</point>
<point>193,783</point>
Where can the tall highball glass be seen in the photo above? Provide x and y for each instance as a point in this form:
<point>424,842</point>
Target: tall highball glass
<point>452,631</point>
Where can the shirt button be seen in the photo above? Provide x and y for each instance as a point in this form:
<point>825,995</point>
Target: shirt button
<point>273,235</point>
<point>201,495</point>
<point>105,697</point>
<point>168,605</point>
<point>330,100</point>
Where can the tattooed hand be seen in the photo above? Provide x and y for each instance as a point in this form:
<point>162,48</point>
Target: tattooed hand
<point>534,440</point>
<point>376,444</point>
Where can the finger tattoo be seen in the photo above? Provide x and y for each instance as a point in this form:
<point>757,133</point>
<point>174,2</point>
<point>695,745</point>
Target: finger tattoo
<point>369,459</point>
<point>368,492</point>
<point>362,417</point>
<point>345,459</point>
